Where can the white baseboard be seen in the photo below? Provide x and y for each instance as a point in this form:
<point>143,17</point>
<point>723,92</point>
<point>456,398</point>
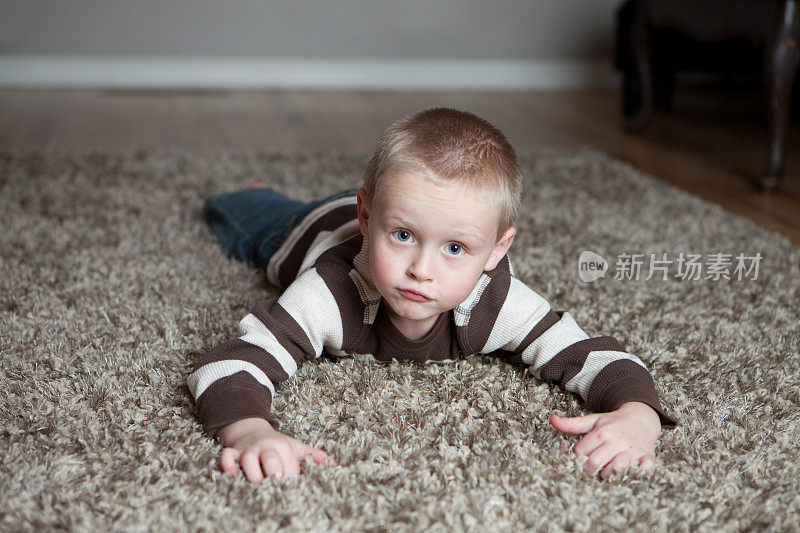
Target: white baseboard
<point>255,73</point>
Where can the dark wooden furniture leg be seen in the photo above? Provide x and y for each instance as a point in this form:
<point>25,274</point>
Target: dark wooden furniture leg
<point>637,116</point>
<point>781,67</point>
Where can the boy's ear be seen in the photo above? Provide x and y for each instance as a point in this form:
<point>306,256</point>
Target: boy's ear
<point>501,248</point>
<point>362,204</point>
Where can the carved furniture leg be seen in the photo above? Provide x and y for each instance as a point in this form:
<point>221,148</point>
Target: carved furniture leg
<point>780,70</point>
<point>636,117</point>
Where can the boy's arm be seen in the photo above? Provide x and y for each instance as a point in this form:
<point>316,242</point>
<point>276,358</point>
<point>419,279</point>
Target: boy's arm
<point>598,369</point>
<point>613,383</point>
<point>237,379</point>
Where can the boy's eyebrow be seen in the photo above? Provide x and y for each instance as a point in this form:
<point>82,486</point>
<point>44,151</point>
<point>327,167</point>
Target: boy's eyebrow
<point>472,238</point>
<point>395,218</point>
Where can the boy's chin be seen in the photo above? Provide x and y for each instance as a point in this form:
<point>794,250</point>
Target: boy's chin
<point>412,312</point>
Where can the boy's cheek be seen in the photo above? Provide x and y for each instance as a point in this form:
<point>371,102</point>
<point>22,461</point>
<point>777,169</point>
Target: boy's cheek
<point>381,268</point>
<point>461,286</point>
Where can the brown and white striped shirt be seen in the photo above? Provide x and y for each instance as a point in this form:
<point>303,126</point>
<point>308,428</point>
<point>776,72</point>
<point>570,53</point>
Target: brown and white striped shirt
<point>331,303</point>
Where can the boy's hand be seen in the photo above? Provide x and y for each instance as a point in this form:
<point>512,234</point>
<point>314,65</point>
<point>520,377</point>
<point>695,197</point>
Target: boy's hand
<point>253,445</point>
<point>617,440</point>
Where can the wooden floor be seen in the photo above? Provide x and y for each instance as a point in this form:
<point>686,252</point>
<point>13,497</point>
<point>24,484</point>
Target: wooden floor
<point>710,145</point>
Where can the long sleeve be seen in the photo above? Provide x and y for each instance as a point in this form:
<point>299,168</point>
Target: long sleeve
<point>237,379</point>
<point>511,318</point>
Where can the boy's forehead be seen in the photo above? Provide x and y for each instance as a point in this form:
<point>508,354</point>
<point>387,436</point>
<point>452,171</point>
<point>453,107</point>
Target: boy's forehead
<point>410,180</point>
<point>410,197</point>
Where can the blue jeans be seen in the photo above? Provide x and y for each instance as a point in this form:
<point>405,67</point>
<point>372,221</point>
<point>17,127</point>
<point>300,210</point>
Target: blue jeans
<point>251,225</point>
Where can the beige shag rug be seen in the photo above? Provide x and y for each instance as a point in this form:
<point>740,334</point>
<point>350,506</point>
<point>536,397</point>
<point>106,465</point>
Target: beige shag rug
<point>111,286</point>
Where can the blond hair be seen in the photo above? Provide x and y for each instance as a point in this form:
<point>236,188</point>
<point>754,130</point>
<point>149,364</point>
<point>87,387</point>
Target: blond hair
<point>450,146</point>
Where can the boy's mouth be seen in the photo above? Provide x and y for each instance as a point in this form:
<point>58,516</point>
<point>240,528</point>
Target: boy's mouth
<point>414,295</point>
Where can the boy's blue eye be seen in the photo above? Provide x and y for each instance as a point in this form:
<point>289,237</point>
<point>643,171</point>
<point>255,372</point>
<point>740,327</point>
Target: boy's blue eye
<point>402,235</point>
<point>455,249</point>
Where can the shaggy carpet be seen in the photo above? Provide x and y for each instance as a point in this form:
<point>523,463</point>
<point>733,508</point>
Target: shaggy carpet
<point>111,285</point>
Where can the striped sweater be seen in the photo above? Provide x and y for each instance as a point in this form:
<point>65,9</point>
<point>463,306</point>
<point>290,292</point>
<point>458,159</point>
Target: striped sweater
<point>330,303</point>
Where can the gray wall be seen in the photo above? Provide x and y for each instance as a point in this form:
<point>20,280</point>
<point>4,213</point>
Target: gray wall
<point>565,30</point>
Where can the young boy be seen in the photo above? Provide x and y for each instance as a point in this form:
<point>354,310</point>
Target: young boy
<point>412,266</point>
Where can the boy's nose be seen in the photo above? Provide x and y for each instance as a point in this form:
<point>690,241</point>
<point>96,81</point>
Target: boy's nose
<point>420,268</point>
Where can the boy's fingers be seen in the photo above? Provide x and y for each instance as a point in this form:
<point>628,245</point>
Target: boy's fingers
<point>251,466</point>
<point>322,458</point>
<point>271,463</point>
<point>574,425</point>
<point>289,464</point>
<point>600,458</point>
<point>621,462</point>
<point>229,460</point>
<point>589,443</point>
<point>648,464</point>
<point>317,455</point>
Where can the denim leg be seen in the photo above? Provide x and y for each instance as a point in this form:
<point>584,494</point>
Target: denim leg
<point>240,220</point>
<point>274,239</point>
<point>251,225</point>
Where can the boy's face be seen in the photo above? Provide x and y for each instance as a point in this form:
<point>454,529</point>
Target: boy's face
<point>428,246</point>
